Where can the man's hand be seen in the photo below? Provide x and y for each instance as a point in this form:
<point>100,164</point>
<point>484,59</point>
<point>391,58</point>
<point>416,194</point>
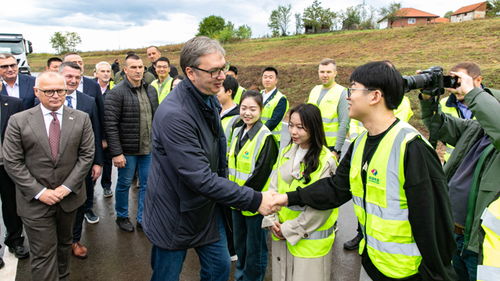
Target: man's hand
<point>62,191</point>
<point>466,82</point>
<point>96,172</point>
<point>280,199</point>
<point>267,205</point>
<point>50,197</point>
<point>276,230</point>
<point>104,144</point>
<point>119,161</point>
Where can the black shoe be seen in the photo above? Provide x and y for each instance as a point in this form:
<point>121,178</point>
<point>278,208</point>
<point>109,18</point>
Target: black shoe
<point>107,192</point>
<point>20,252</point>
<point>2,264</point>
<point>90,217</point>
<point>139,226</point>
<point>353,244</point>
<point>124,224</point>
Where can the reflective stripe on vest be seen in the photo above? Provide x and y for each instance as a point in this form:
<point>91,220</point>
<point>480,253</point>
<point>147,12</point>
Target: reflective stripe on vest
<point>165,90</point>
<point>268,111</point>
<point>490,267</point>
<point>316,243</point>
<point>383,214</point>
<point>241,169</point>
<point>328,107</point>
<point>239,93</point>
<point>227,125</point>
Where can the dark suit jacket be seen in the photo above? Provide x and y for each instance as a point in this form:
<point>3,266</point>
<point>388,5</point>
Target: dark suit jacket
<point>10,106</point>
<point>28,160</point>
<point>91,88</point>
<point>88,105</point>
<point>26,92</point>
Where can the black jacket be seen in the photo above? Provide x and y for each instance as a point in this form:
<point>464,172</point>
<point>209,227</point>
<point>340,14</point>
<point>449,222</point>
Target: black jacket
<point>122,117</point>
<point>186,178</point>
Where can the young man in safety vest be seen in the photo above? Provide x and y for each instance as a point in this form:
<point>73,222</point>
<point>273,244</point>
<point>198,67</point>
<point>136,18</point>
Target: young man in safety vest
<point>331,98</point>
<point>275,103</point>
<point>397,185</point>
<point>230,114</point>
<point>233,71</point>
<point>164,82</point>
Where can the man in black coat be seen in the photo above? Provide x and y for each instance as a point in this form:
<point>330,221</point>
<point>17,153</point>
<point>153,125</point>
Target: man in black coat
<point>187,178</point>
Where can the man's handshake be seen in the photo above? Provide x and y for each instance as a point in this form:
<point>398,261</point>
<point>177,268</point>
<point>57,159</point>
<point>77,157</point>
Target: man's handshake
<point>272,202</point>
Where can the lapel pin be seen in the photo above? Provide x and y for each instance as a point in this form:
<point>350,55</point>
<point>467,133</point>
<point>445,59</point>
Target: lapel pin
<point>71,118</point>
<point>5,104</point>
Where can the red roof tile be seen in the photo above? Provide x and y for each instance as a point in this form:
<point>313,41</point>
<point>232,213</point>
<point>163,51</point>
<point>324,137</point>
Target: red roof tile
<point>441,20</point>
<point>467,9</point>
<point>414,13</point>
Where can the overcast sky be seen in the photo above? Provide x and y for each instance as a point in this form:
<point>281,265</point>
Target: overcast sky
<point>120,24</point>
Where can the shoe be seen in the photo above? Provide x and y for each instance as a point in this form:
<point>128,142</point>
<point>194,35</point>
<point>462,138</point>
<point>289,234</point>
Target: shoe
<point>90,217</point>
<point>107,192</point>
<point>78,250</point>
<point>20,252</point>
<point>353,244</point>
<point>234,258</point>
<point>2,264</point>
<point>124,224</point>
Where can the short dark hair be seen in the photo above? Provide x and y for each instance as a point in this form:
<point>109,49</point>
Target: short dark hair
<point>230,83</point>
<point>256,96</point>
<point>473,70</point>
<point>270,68</point>
<point>53,59</point>
<point>129,53</point>
<point>162,59</point>
<point>327,61</point>
<point>132,56</point>
<point>71,64</point>
<point>233,69</point>
<point>384,77</point>
<point>152,46</point>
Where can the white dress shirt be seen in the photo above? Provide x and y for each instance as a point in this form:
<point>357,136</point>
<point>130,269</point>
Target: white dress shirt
<point>266,95</point>
<point>12,91</point>
<point>80,86</point>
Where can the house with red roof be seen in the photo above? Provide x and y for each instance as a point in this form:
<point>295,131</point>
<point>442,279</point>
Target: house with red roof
<point>409,17</point>
<point>470,12</point>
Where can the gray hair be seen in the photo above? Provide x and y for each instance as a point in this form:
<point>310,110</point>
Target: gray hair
<point>99,64</point>
<point>197,47</point>
<point>49,75</point>
<point>6,56</point>
<point>71,64</point>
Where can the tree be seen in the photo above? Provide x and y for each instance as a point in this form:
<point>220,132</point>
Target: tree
<point>244,32</point>
<point>65,42</point>
<point>210,26</point>
<point>448,14</point>
<point>493,8</point>
<point>351,18</point>
<point>390,12</point>
<point>318,18</point>
<point>298,23</point>
<point>280,19</point>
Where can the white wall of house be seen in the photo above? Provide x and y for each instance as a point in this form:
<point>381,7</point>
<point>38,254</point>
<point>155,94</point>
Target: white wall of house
<point>383,24</point>
<point>468,16</point>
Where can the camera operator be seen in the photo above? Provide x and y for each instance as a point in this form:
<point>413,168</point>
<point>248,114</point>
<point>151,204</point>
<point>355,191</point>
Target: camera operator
<point>472,168</point>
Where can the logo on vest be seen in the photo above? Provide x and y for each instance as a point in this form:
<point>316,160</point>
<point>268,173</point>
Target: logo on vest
<point>373,177</point>
<point>246,155</point>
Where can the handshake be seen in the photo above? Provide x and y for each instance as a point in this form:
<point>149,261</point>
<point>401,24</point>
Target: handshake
<point>272,202</point>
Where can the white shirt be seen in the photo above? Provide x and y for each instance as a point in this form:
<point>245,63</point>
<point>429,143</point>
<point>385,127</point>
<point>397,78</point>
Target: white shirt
<point>47,118</point>
<point>73,99</point>
<point>80,86</point>
<point>266,95</point>
<point>224,112</point>
<point>12,91</point>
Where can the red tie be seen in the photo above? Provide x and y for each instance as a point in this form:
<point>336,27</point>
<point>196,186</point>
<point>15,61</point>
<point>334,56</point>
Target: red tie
<point>54,135</point>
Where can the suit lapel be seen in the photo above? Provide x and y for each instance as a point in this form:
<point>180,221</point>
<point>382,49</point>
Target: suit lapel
<point>22,87</point>
<point>37,124</point>
<point>66,130</point>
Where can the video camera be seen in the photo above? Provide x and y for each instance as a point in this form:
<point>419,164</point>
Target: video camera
<point>430,81</point>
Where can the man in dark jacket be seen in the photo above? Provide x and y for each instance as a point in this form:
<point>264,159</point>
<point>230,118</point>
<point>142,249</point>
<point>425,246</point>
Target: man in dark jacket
<point>188,169</point>
<point>130,107</point>
<point>154,54</point>
<point>15,84</point>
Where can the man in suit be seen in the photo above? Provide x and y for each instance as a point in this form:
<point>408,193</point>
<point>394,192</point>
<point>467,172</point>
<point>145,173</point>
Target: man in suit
<point>15,84</point>
<point>47,151</point>
<point>13,238</point>
<point>75,99</point>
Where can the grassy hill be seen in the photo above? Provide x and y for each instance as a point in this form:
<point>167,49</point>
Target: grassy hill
<point>297,57</point>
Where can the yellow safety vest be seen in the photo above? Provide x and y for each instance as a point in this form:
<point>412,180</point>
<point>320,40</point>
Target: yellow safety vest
<point>319,242</point>
<point>165,90</point>
<point>111,84</point>
<point>403,113</point>
<point>328,107</point>
<point>227,125</point>
<point>268,111</point>
<point>382,209</point>
<point>239,92</point>
<point>242,165</point>
<point>490,268</point>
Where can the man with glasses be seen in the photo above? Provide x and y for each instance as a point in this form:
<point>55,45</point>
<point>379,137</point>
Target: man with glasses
<point>188,171</point>
<point>164,82</point>
<point>16,84</point>
<point>48,150</point>
<point>130,107</point>
<point>395,180</point>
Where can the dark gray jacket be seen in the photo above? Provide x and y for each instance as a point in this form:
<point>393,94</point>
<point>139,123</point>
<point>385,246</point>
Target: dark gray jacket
<point>122,117</point>
<point>186,178</point>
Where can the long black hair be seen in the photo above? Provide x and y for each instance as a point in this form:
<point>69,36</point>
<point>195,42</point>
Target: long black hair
<point>310,117</point>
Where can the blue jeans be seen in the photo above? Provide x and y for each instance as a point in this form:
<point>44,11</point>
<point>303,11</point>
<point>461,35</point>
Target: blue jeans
<point>214,260</point>
<point>251,248</point>
<point>125,176</point>
<point>464,261</point>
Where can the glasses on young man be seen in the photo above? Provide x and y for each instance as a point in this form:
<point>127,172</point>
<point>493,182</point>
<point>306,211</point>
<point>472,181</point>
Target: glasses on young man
<point>349,90</point>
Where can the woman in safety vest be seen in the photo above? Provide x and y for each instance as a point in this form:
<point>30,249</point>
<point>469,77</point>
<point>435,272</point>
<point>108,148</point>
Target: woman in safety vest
<point>302,236</point>
<point>251,158</point>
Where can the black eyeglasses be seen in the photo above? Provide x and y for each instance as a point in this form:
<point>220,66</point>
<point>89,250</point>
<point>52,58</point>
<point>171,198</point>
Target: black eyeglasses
<point>216,71</point>
<point>6,66</point>
<point>51,93</point>
<point>349,90</point>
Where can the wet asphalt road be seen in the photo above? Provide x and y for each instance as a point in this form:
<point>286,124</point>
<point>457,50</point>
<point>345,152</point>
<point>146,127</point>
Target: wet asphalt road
<point>115,255</point>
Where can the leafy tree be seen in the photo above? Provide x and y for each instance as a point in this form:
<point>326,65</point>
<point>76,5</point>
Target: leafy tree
<point>210,26</point>
<point>280,19</point>
<point>493,8</point>
<point>244,32</point>
<point>65,42</point>
<point>351,18</point>
<point>318,18</point>
<point>448,14</point>
<point>298,23</point>
<point>390,12</point>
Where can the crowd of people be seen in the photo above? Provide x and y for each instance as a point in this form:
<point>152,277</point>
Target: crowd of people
<point>221,168</point>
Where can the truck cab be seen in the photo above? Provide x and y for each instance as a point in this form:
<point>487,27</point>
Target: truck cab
<point>19,47</point>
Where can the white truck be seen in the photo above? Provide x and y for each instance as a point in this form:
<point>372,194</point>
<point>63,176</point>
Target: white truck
<point>19,47</point>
